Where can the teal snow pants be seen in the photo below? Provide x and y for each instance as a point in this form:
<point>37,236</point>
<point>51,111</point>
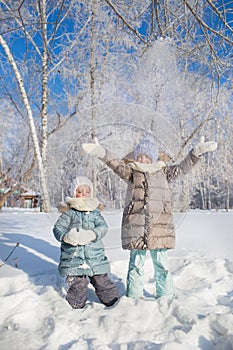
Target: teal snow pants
<point>162,276</point>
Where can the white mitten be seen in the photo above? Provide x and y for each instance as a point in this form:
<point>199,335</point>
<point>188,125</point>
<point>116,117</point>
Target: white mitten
<point>72,237</point>
<point>204,147</point>
<point>86,236</point>
<point>94,149</point>
<point>67,200</point>
<point>82,237</point>
<point>62,207</point>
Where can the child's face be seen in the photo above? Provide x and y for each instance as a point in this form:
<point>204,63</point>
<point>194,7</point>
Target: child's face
<point>83,191</point>
<point>143,158</point>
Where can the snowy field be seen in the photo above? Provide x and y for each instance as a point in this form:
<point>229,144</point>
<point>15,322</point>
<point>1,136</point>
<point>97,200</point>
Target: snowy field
<point>34,314</point>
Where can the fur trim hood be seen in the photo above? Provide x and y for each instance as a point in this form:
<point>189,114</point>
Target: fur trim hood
<point>78,181</point>
<point>81,204</point>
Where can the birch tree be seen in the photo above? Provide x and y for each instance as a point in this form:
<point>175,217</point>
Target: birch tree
<point>31,21</point>
<point>31,121</point>
<point>84,57</point>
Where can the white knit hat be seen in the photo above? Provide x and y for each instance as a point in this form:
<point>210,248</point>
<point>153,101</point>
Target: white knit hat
<point>80,180</point>
<point>148,147</point>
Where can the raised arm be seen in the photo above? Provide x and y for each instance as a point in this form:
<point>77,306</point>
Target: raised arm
<point>182,168</point>
<point>117,165</point>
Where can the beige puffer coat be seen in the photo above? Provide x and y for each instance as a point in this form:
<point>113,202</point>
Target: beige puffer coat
<point>147,221</point>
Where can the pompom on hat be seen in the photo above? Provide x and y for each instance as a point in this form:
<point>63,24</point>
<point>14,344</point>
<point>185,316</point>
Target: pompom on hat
<point>147,146</point>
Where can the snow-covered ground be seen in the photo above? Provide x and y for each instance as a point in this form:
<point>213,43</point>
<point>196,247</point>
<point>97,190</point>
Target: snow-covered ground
<point>34,314</point>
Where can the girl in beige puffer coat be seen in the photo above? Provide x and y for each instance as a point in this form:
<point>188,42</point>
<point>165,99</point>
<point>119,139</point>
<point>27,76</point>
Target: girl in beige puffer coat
<point>147,222</point>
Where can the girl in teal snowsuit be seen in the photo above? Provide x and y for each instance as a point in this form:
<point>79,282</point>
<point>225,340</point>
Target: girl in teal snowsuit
<point>80,230</point>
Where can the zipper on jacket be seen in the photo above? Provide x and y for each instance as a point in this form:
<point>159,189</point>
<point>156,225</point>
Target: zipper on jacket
<point>146,213</point>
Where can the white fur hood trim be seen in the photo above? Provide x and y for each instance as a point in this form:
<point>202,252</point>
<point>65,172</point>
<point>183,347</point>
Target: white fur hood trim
<point>83,204</point>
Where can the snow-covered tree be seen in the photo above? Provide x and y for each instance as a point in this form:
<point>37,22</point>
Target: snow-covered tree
<point>105,67</point>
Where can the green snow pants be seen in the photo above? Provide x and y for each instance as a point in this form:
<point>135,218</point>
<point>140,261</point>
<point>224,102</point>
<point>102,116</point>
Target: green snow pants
<point>162,276</point>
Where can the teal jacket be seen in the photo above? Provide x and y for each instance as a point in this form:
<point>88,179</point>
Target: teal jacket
<point>87,259</point>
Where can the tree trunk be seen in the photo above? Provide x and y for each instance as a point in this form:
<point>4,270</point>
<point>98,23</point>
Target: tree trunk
<point>44,93</point>
<point>44,101</point>
<point>3,198</point>
<point>7,194</point>
<point>92,85</point>
<point>227,205</point>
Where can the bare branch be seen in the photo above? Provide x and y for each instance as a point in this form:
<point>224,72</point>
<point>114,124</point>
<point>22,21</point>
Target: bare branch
<point>74,42</point>
<point>21,25</point>
<point>20,5</point>
<point>220,15</point>
<point>156,5</point>
<point>61,123</point>
<point>57,21</point>
<point>195,131</point>
<point>11,252</point>
<point>128,25</point>
<point>204,25</point>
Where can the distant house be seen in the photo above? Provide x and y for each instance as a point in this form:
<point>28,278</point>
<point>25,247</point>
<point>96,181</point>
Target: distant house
<point>30,199</point>
<point>18,199</point>
<point>15,195</point>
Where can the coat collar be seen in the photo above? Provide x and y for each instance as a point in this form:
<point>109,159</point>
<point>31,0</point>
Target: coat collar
<point>83,204</point>
<point>147,168</point>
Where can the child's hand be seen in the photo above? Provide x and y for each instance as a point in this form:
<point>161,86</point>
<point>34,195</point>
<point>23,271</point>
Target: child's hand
<point>204,147</point>
<point>94,149</point>
<point>81,237</point>
<point>62,207</point>
<point>71,237</point>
